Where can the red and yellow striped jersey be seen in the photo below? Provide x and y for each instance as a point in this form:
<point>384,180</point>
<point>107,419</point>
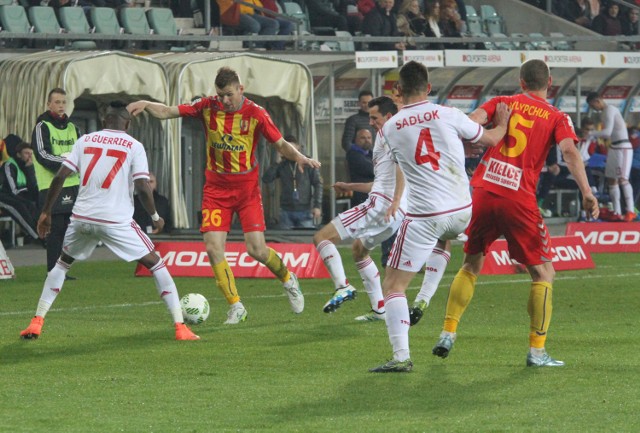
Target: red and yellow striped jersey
<point>232,138</point>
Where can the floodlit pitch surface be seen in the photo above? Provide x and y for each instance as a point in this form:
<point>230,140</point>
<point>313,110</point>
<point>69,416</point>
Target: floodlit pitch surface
<point>107,360</point>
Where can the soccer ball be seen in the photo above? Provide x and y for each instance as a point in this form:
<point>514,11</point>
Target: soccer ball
<point>195,308</point>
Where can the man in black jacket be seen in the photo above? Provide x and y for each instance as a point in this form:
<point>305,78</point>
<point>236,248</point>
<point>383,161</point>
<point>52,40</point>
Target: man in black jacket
<point>142,217</point>
<point>18,187</point>
<point>381,21</point>
<point>360,163</point>
<point>53,138</point>
<point>300,193</point>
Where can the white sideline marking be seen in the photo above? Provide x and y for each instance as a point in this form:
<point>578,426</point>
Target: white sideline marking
<point>144,304</point>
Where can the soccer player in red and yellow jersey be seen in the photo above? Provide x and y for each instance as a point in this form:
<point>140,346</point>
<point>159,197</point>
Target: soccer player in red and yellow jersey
<point>233,126</point>
<point>504,204</point>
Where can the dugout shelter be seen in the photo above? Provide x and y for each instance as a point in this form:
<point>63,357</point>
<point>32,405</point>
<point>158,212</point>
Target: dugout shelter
<point>175,148</point>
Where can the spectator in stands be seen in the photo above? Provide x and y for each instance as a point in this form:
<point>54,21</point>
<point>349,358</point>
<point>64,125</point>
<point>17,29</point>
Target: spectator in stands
<point>9,141</point>
<point>365,6</point>
<point>349,9</point>
<point>300,192</point>
<point>451,23</point>
<point>323,14</point>
<point>630,26</point>
<point>360,120</point>
<point>216,9</point>
<point>578,11</point>
<point>285,26</point>
<point>433,30</point>
<point>411,22</point>
<point>19,188</point>
<point>608,23</point>
<point>382,21</point>
<point>360,163</point>
<point>462,10</point>
<point>163,208</point>
<point>254,22</point>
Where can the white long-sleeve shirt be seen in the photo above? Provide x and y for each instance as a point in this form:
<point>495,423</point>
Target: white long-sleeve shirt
<point>614,128</point>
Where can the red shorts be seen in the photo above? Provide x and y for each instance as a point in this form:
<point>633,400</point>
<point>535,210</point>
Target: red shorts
<point>519,222</point>
<point>225,195</point>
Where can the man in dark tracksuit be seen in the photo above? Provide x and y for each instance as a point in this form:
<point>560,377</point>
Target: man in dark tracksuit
<point>52,139</point>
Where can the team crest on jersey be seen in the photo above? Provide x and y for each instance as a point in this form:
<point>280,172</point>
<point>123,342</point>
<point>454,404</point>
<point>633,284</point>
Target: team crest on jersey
<point>244,126</point>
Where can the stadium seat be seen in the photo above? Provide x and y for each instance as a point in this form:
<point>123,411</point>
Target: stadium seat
<point>163,23</point>
<point>74,20</point>
<point>502,45</point>
<point>520,43</point>
<point>562,45</point>
<point>6,2</point>
<point>294,10</point>
<point>44,19</point>
<point>537,44</point>
<point>474,25</point>
<point>493,22</point>
<point>13,18</point>
<point>134,21</point>
<point>341,45</point>
<point>471,11</point>
<point>105,21</point>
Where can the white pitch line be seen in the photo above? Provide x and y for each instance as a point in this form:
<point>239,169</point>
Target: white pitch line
<point>144,304</point>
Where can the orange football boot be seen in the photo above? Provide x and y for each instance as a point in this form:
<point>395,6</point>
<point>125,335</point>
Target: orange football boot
<point>184,333</point>
<point>34,329</point>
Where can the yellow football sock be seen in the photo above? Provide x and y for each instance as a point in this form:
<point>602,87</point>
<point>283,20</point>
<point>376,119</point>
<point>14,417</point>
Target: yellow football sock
<point>226,281</point>
<point>539,307</point>
<point>460,294</point>
<point>276,266</point>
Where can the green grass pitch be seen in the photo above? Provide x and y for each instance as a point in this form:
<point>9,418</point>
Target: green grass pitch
<point>107,361</point>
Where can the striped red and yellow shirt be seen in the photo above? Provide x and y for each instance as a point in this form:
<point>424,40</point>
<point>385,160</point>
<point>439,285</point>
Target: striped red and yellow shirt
<point>232,138</point>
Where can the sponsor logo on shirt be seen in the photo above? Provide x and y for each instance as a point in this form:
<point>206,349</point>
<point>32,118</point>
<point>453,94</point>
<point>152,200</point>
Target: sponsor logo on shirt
<point>503,174</point>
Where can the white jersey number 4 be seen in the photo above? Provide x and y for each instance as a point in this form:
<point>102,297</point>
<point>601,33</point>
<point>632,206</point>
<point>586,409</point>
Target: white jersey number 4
<point>425,150</point>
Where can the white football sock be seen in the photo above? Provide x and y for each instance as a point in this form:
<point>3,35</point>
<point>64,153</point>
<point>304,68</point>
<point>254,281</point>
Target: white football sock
<point>614,196</point>
<point>371,279</point>
<point>397,319</point>
<point>433,272</point>
<point>627,190</point>
<point>52,287</point>
<point>167,290</point>
<point>333,262</point>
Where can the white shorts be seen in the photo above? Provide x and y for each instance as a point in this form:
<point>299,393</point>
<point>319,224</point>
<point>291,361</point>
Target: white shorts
<point>366,222</point>
<point>417,237</point>
<point>127,240</point>
<point>618,163</point>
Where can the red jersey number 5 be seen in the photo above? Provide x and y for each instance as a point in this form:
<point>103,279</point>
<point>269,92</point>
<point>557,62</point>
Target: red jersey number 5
<point>425,152</point>
<point>96,154</point>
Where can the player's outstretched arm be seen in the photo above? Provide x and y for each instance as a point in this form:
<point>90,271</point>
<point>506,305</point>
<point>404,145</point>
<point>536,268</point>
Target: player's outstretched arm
<point>287,150</point>
<point>146,198</point>
<point>156,109</point>
<point>342,187</point>
<point>572,157</point>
